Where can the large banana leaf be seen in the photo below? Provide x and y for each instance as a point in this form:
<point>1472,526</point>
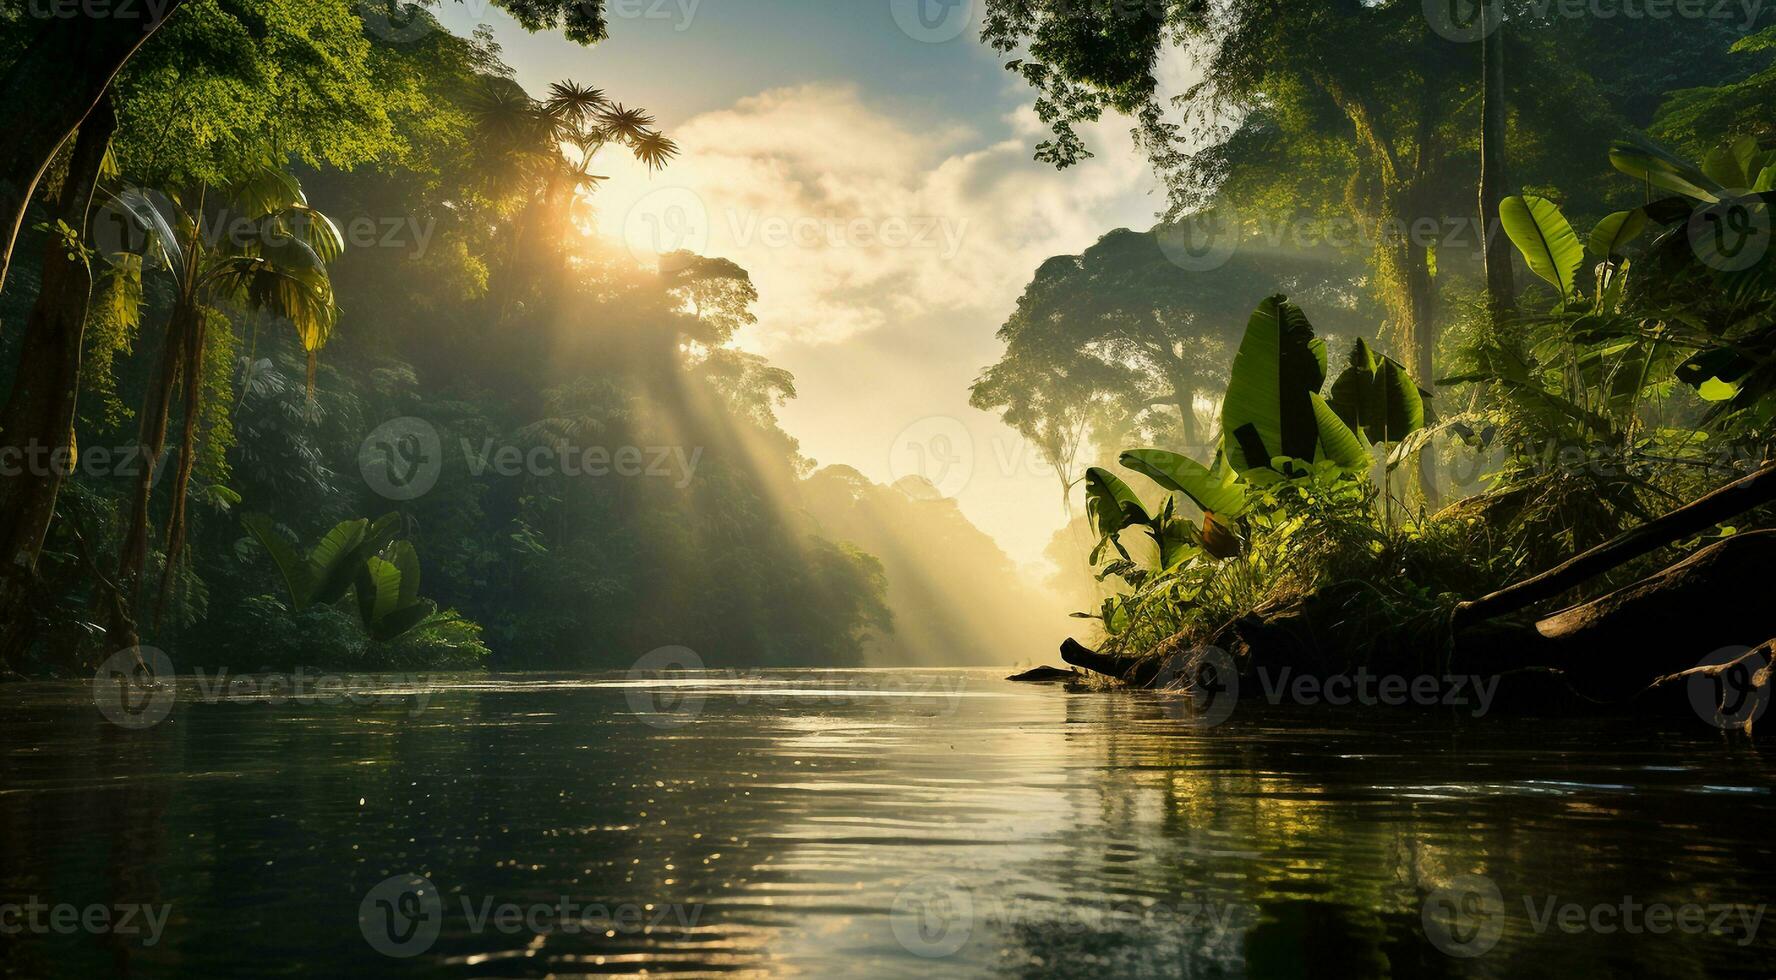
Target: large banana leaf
<point>1267,413</point>
<point>296,570</point>
<point>1659,167</point>
<point>1734,165</point>
<point>1376,396</point>
<point>1337,442</point>
<point>1110,505</point>
<point>331,562</point>
<point>335,561</point>
<point>407,563</point>
<point>1179,541</point>
<point>1545,238</point>
<point>1215,491</point>
<point>379,591</point>
<point>403,620</point>
<point>1615,231</point>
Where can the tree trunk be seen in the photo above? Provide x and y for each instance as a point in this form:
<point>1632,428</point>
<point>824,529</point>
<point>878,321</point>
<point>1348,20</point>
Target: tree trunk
<point>38,419</point>
<point>39,412</point>
<point>1187,426</point>
<point>53,86</point>
<point>1501,285</point>
<point>1409,294</point>
<point>193,408</point>
<point>151,438</point>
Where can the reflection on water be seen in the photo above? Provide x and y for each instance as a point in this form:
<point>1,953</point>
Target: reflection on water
<point>871,824</point>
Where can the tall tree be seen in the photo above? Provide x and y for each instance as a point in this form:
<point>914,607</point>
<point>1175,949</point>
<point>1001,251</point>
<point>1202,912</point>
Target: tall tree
<point>71,61</point>
<point>61,74</point>
<point>1501,288</point>
<point>1120,337</point>
<point>38,419</point>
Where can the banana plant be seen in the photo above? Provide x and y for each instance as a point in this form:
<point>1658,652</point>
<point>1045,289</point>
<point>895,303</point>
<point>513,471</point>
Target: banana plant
<point>1275,422</point>
<point>356,556</point>
<point>1716,259</point>
<point>1277,426</point>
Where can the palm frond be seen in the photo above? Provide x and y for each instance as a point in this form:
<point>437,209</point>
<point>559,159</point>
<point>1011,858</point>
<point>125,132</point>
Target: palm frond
<point>654,149</point>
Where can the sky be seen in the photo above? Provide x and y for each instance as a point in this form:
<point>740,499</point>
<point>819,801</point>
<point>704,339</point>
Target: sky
<point>872,169</point>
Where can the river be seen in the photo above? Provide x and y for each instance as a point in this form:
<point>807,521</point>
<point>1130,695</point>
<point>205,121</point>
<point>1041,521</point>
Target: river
<point>868,824</point>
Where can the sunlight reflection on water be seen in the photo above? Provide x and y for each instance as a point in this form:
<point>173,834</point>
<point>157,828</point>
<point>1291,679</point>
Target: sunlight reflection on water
<point>863,823</point>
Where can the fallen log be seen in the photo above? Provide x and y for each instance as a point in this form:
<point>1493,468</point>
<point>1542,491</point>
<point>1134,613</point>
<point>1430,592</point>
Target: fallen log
<point>1044,675</point>
<point>1693,518</point>
<point>1617,644</point>
<point>1602,653</point>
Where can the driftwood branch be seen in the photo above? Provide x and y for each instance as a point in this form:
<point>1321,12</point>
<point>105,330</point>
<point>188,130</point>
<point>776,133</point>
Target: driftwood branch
<point>1723,504</point>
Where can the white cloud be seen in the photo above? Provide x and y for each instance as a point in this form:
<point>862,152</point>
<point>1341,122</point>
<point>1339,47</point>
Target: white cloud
<point>851,220</point>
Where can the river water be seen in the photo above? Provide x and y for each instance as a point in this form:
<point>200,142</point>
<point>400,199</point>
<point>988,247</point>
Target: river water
<point>861,823</point>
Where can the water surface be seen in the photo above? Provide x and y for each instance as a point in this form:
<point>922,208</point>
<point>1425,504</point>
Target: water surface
<point>870,824</point>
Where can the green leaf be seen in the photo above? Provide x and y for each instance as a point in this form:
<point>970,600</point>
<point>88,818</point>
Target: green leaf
<point>331,564</point>
<point>1766,180</point>
<point>406,560</point>
<point>1659,167</point>
<point>1337,442</point>
<point>1267,413</point>
<point>1716,390</point>
<point>1376,396</point>
<point>378,585</point>
<point>403,621</point>
<point>1547,242</point>
<point>296,573</point>
<point>1724,166</point>
<point>1614,232</point>
<point>1110,505</point>
<point>1216,491</point>
<point>1178,543</point>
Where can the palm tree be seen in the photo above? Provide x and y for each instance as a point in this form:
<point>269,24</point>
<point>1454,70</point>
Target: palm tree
<point>270,256</point>
<point>543,151</point>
